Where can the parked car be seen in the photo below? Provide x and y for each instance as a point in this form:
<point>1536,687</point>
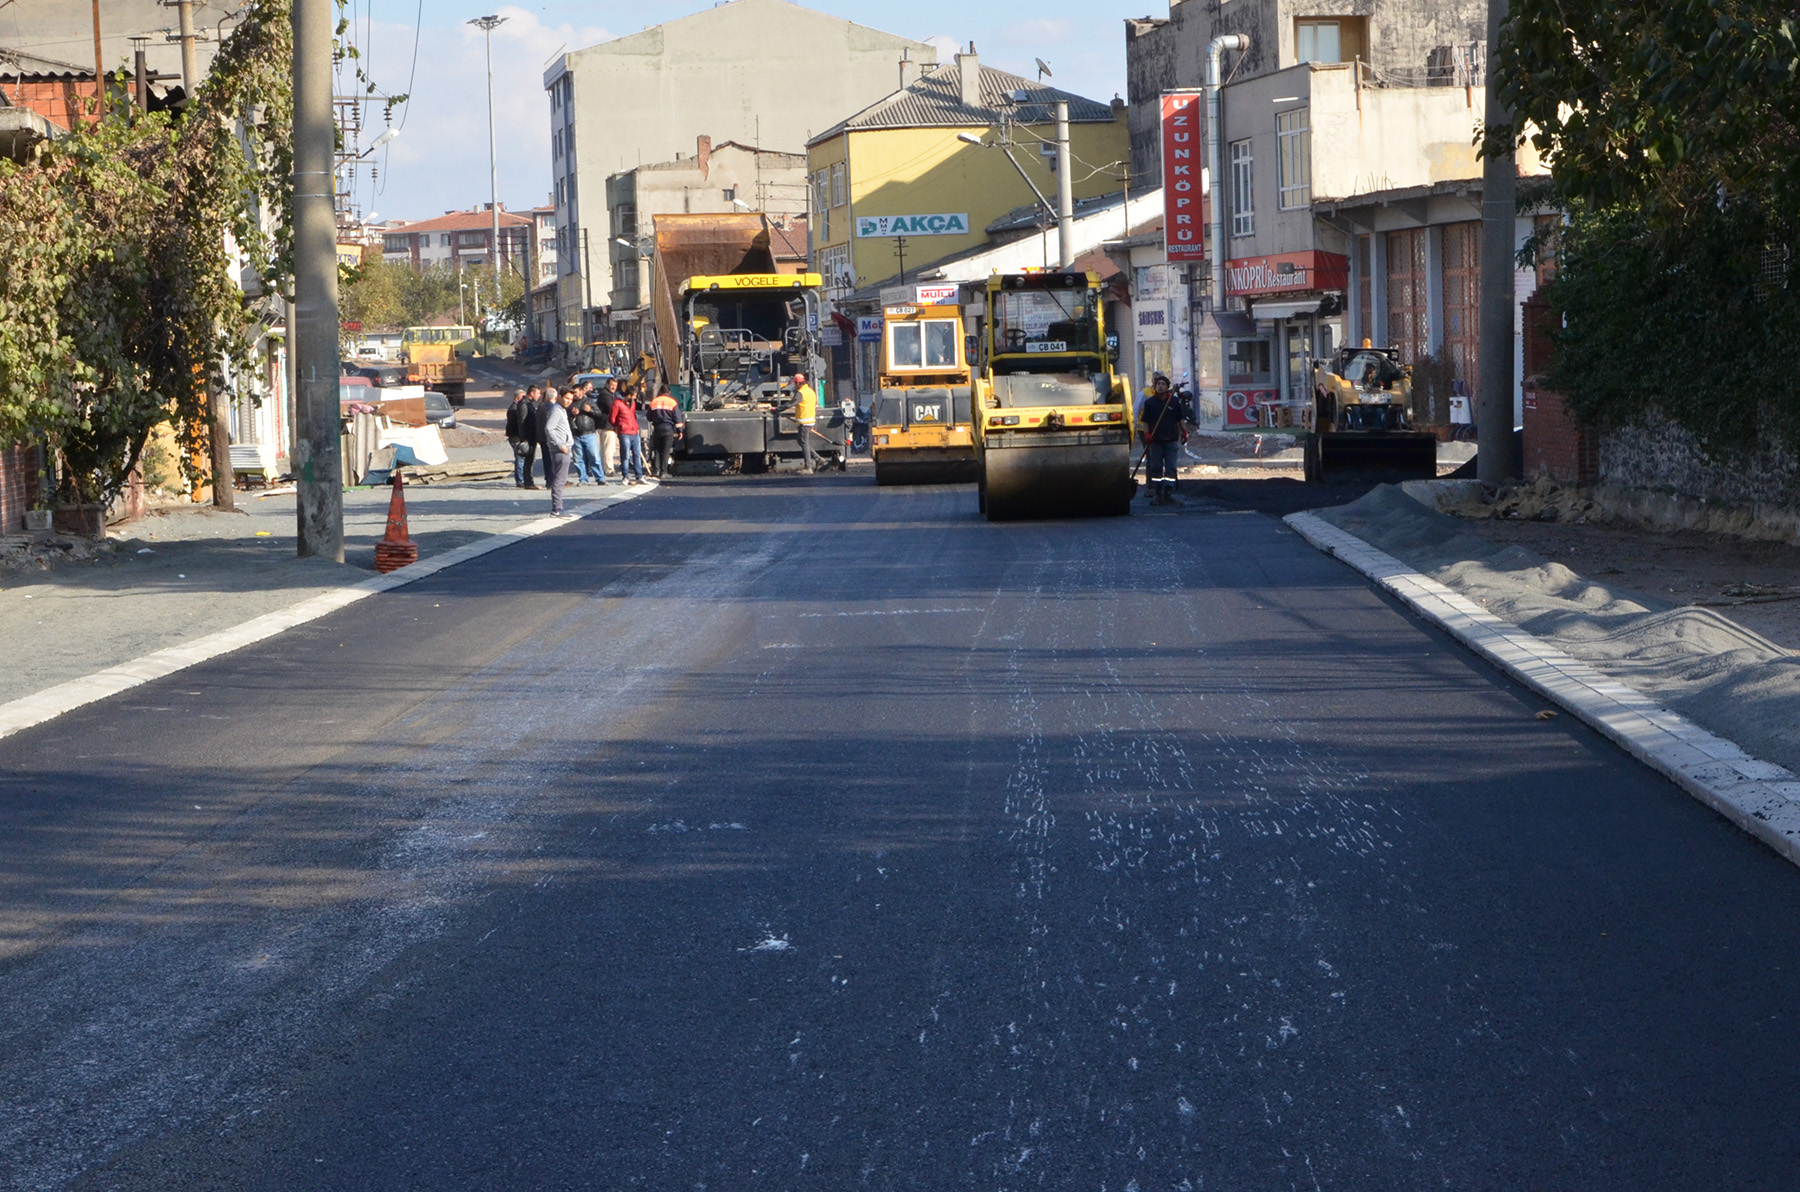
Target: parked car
<point>438,410</point>
<point>382,375</point>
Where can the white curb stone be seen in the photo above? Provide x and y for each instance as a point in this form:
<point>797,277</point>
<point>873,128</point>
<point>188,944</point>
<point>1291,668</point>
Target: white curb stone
<point>52,702</point>
<point>1761,798</point>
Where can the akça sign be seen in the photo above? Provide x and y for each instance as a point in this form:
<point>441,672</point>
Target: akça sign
<point>912,225</point>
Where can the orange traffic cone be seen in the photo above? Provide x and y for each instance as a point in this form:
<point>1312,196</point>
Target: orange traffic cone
<point>396,550</point>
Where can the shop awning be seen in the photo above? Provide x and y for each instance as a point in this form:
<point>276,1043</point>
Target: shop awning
<point>1285,310</point>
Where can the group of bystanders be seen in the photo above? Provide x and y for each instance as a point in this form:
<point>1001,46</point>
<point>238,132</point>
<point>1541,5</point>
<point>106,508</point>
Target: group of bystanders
<point>590,432</point>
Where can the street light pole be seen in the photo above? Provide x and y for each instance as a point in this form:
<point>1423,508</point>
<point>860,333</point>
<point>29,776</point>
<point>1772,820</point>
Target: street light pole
<point>1065,191</point>
<point>487,24</point>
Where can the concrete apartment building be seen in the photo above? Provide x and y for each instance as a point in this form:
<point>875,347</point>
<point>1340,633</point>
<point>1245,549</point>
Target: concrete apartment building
<point>754,72</point>
<point>716,178</point>
<point>458,238</point>
<point>1351,188</point>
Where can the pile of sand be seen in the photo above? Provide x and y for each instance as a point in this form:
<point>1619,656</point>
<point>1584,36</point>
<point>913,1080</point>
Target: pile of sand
<point>1694,661</point>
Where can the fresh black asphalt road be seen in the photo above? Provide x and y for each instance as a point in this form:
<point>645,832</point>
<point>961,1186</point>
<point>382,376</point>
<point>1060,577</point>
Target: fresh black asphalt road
<point>786,833</point>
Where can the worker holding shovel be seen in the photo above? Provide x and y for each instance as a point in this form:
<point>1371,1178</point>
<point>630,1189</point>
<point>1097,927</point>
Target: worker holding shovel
<point>1162,418</point>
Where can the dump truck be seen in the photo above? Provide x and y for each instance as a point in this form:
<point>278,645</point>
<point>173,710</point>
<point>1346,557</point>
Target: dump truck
<point>922,425</point>
<point>731,333</point>
<point>1053,422</point>
<point>1362,418</point>
<point>430,357</point>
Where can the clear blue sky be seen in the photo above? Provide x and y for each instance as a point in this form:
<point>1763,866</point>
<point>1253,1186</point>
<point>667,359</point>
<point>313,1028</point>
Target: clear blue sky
<point>440,160</point>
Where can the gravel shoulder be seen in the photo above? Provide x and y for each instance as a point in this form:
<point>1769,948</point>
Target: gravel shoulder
<point>1639,624</point>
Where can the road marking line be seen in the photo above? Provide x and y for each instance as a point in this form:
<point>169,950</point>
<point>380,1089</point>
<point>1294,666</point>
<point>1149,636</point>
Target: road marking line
<point>1761,798</point>
<point>28,710</point>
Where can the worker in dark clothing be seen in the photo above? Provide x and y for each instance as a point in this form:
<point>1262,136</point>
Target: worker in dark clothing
<point>1161,420</point>
<point>584,424</point>
<point>522,433</point>
<point>667,423</point>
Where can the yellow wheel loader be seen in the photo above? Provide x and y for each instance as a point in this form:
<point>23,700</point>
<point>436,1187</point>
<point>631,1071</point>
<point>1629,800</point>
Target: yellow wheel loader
<point>1362,419</point>
<point>922,426</point>
<point>1053,423</point>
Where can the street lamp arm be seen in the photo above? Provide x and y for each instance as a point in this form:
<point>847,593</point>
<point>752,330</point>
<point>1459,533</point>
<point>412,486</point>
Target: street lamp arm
<point>1042,201</point>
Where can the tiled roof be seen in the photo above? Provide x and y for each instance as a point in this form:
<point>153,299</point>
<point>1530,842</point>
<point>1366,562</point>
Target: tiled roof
<point>935,101</point>
<point>463,221</point>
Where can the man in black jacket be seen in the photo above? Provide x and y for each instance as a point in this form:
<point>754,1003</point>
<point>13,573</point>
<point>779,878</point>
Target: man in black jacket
<point>522,433</point>
<point>1160,420</point>
<point>585,422</point>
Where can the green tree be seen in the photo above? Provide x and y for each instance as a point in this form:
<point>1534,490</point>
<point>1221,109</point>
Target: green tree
<point>1673,132</point>
<point>118,305</point>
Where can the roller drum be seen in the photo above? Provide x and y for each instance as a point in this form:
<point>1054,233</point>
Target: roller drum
<point>1057,480</point>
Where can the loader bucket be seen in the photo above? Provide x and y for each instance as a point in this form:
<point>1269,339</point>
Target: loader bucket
<point>1057,480</point>
<point>1403,455</point>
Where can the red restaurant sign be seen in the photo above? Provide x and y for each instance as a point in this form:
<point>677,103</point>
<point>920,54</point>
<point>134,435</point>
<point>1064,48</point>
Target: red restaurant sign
<point>1184,207</point>
<point>1286,273</point>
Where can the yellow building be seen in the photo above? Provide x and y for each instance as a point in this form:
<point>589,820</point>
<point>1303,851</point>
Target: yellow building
<point>896,184</point>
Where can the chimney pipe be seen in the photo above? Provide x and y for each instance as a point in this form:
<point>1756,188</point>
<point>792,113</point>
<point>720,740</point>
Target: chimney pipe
<point>969,68</point>
<point>909,71</point>
<point>1215,155</point>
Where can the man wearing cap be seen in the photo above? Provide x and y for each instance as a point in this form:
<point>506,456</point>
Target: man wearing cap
<point>1160,419</point>
<point>806,412</point>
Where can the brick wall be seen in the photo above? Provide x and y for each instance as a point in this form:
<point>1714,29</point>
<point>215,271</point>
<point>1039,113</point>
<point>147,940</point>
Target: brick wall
<point>18,487</point>
<point>61,100</point>
<point>1555,444</point>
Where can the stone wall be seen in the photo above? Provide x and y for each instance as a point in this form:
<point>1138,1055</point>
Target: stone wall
<point>1655,474</point>
<point>1659,456</point>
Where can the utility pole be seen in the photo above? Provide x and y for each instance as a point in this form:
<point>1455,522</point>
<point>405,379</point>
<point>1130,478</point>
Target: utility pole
<point>318,465</point>
<point>486,25</point>
<point>1499,210</point>
<point>190,61</point>
<point>587,285</point>
<point>900,250</point>
<point>99,65</point>
<point>1065,191</point>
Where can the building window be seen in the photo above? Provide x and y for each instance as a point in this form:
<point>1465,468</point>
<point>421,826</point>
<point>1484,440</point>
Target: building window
<point>730,194</point>
<point>1326,40</point>
<point>396,243</point>
<point>625,219</point>
<point>840,185</point>
<point>1294,161</point>
<point>834,264</point>
<point>444,240</point>
<point>822,191</point>
<point>1243,212</point>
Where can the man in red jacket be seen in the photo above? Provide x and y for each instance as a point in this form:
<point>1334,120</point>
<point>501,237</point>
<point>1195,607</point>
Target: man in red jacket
<point>631,442</point>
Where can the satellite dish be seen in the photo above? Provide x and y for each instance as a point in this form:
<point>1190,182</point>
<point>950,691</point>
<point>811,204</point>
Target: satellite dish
<point>1043,69</point>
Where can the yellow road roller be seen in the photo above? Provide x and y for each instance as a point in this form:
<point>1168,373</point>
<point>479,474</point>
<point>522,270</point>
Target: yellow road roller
<point>921,430</point>
<point>1053,423</point>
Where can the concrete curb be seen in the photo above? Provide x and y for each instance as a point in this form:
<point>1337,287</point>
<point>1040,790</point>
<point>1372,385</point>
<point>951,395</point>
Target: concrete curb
<point>23,713</point>
<point>1761,798</point>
